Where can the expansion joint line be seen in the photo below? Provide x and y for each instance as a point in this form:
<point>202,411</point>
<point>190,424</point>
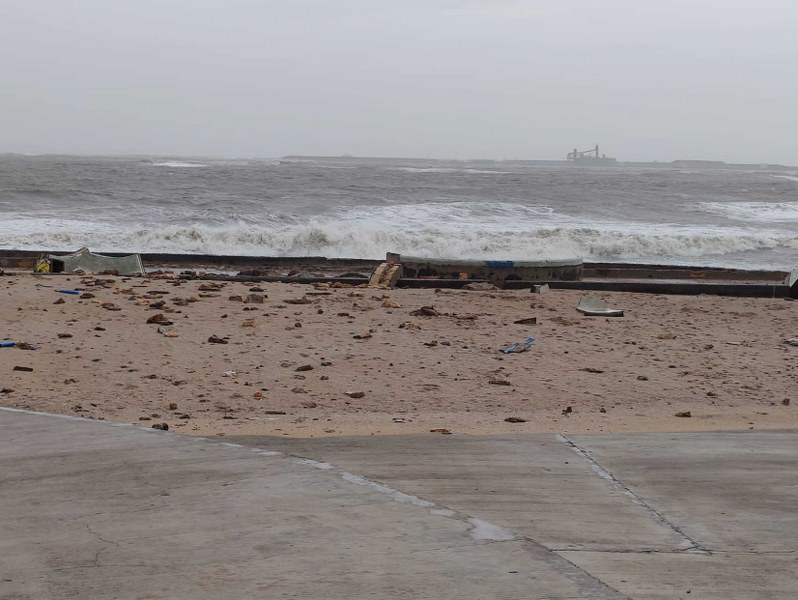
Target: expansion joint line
<point>688,544</point>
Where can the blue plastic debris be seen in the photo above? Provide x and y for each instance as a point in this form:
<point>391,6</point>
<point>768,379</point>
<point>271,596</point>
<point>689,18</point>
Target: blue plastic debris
<point>519,346</point>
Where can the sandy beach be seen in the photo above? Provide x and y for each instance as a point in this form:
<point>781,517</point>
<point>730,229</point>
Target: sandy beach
<point>299,360</point>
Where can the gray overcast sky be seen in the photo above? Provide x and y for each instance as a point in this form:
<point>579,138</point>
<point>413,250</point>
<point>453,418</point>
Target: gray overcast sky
<point>429,78</point>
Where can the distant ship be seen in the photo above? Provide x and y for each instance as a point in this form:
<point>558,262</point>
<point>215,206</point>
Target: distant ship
<point>590,158</point>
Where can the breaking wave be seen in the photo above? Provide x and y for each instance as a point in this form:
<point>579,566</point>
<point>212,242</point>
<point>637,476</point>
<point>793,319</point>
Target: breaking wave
<point>371,239</point>
<point>436,208</point>
<point>763,212</point>
<point>177,164</point>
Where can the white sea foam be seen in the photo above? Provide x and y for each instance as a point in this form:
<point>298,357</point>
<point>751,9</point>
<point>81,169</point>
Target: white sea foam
<point>343,238</point>
<point>177,164</point>
<point>475,230</point>
<point>763,212</point>
<point>250,207</point>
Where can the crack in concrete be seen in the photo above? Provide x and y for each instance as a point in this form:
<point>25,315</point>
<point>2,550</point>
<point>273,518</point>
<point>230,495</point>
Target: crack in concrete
<point>590,586</point>
<point>621,550</point>
<point>83,516</point>
<point>99,537</point>
<point>96,562</point>
<point>688,543</point>
<point>123,566</point>
<point>756,552</point>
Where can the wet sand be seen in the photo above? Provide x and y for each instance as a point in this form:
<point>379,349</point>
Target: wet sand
<point>348,361</point>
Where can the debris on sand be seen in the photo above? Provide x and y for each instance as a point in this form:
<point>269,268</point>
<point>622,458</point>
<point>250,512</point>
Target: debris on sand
<point>515,420</point>
<point>159,319</point>
<point>518,346</point>
<point>527,321</point>
<point>425,311</point>
<point>480,286</point>
<point>596,307</point>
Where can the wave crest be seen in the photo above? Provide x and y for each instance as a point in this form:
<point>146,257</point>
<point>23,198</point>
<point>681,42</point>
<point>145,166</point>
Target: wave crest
<point>762,212</point>
<point>177,164</point>
<point>372,242</point>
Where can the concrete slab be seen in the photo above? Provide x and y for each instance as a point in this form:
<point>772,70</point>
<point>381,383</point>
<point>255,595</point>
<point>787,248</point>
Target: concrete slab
<point>622,507</point>
<point>731,491</point>
<point>658,576</point>
<point>93,510</point>
<point>89,510</point>
<point>535,485</point>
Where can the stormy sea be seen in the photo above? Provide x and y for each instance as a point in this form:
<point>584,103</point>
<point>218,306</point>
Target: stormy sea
<point>361,208</point>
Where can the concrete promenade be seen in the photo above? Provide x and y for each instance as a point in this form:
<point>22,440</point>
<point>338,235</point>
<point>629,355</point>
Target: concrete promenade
<point>93,510</point>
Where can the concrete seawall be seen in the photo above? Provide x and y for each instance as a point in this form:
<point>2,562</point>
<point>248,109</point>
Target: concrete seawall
<point>426,272</point>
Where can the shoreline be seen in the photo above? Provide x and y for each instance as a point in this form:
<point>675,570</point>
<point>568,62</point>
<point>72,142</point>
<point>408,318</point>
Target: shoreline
<point>23,260</point>
<point>302,357</point>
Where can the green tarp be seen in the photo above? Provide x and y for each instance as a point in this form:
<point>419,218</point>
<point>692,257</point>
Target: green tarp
<point>89,262</point>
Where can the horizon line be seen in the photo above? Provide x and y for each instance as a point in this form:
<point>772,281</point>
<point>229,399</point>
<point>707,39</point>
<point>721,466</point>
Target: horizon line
<point>413,158</point>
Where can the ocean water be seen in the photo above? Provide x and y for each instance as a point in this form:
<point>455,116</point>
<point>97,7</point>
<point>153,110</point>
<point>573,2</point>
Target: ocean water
<point>361,208</point>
